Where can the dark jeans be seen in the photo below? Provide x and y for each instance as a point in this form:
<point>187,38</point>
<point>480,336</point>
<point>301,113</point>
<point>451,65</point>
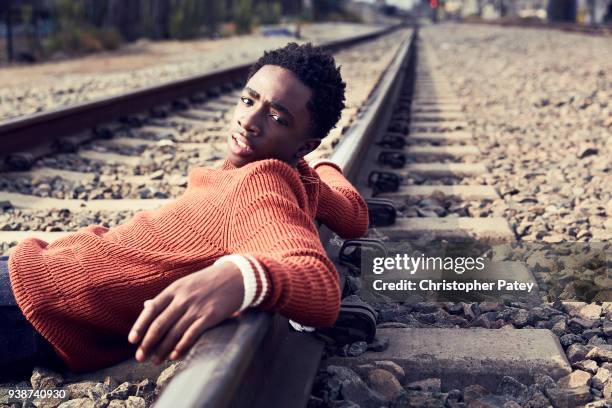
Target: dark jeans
<point>21,347</point>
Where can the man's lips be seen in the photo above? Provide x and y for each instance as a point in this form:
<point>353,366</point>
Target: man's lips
<point>240,145</point>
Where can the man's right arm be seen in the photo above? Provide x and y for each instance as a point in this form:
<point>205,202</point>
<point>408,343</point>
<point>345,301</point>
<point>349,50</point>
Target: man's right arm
<point>341,207</point>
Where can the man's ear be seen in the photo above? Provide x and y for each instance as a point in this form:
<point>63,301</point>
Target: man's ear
<point>308,146</point>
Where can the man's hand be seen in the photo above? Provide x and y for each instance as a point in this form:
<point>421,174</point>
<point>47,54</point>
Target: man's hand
<point>175,319</point>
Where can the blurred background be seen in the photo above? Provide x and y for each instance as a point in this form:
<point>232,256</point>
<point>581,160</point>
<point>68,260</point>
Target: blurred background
<point>42,30</point>
<point>35,30</point>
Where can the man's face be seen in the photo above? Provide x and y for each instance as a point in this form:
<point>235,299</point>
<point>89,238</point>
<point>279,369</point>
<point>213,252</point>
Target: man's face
<point>271,120</point>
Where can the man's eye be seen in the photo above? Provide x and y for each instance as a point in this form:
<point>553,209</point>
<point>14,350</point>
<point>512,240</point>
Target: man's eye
<point>246,101</point>
<point>278,119</point>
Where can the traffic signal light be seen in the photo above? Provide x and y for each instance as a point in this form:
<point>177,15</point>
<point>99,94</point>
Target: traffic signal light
<point>433,3</point>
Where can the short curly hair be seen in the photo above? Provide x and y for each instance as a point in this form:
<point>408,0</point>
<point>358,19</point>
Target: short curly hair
<point>316,68</point>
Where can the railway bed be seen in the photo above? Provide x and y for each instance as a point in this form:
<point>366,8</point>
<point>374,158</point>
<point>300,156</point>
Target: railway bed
<point>412,132</point>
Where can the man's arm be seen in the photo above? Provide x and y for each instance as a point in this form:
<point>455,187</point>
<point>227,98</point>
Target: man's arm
<point>294,276</point>
<point>276,262</point>
<point>341,207</point>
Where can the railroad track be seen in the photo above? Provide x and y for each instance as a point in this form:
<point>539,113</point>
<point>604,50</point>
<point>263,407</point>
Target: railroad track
<point>410,144</point>
<point>599,29</point>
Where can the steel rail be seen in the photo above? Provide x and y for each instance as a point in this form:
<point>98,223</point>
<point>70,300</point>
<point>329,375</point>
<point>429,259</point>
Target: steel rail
<point>599,29</point>
<point>24,133</point>
<point>255,360</point>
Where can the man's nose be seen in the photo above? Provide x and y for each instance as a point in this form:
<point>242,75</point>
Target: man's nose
<point>249,121</point>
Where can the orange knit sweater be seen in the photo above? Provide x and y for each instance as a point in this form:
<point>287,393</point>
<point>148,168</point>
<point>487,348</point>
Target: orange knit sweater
<point>83,292</point>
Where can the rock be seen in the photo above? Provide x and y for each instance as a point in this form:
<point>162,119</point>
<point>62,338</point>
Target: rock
<point>79,389</point>
<point>77,403</point>
<point>135,402</point>
<point>354,389</point>
<point>392,367</point>
<point>44,379</point>
<point>577,352</point>
<point>427,385</point>
<point>116,404</point>
<point>537,262</point>
<point>591,311</point>
<point>157,175</point>
<point>590,333</point>
<point>474,392</point>
<point>98,391</point>
<point>453,397</point>
<point>166,375</point>
<point>355,349</point>
<point>589,366</point>
<point>537,400</point>
<point>599,380</point>
<point>578,325</point>
<point>520,317</point>
<point>569,339</point>
<point>342,373</point>
<point>378,345</point>
<point>123,391</point>
<point>607,391</point>
<point>510,387</point>
<point>385,383</point>
<point>569,398</point>
<point>607,329</point>
<point>559,328</point>
<point>489,401</point>
<point>575,379</point>
<point>144,387</point>
<point>587,150</point>
<point>543,381</point>
<point>598,353</point>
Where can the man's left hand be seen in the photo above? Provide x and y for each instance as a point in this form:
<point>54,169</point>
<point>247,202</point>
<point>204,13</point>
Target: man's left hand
<point>172,321</point>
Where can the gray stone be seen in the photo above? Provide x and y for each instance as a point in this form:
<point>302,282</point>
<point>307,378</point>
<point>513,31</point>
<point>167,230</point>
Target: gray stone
<point>453,396</point>
<point>489,401</point>
<point>474,392</point>
<point>543,381</point>
<point>569,397</point>
<point>607,328</point>
<point>586,151</point>
<point>559,328</point>
<point>428,385</point>
<point>167,375</point>
<point>355,349</point>
<point>354,389</point>
<point>98,391</point>
<point>135,402</point>
<point>79,389</point>
<point>569,339</point>
<point>385,383</point>
<point>589,366</point>
<point>576,379</point>
<point>77,403</point>
<point>392,367</point>
<point>44,379</point>
<point>123,391</point>
<point>607,391</point>
<point>378,345</point>
<point>578,325</point>
<point>537,400</point>
<point>117,403</point>
<point>577,352</point>
<point>600,379</point>
<point>514,389</point>
<point>600,354</point>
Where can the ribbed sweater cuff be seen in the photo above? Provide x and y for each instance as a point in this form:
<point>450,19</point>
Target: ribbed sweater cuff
<point>253,277</point>
<point>319,162</point>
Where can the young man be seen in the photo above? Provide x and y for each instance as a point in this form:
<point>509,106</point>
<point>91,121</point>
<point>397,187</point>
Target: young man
<point>240,236</point>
